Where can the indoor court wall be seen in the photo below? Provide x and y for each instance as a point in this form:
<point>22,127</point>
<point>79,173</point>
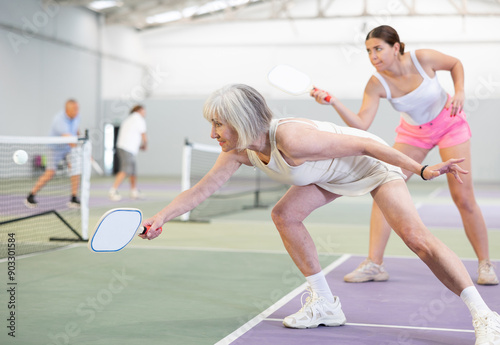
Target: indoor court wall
<point>172,70</point>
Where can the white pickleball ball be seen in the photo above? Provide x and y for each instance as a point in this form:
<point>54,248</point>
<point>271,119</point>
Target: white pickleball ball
<point>20,157</point>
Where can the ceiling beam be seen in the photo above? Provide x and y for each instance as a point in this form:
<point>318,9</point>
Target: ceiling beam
<point>135,12</point>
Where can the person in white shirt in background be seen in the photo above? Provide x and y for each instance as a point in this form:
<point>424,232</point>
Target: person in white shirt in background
<point>131,138</point>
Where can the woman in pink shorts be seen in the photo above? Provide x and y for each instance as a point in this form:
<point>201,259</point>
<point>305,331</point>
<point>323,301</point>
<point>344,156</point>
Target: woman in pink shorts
<point>429,118</point>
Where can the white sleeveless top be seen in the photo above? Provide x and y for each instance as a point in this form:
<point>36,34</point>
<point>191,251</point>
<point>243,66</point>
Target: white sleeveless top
<point>350,176</point>
<point>421,105</point>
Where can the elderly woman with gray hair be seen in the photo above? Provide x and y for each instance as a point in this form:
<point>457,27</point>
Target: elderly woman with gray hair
<point>322,161</point>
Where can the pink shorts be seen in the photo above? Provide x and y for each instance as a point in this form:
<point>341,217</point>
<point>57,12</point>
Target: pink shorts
<point>445,131</point>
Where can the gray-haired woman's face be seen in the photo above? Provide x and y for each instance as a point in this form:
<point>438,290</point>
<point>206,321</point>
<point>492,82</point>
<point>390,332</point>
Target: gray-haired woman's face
<point>224,134</point>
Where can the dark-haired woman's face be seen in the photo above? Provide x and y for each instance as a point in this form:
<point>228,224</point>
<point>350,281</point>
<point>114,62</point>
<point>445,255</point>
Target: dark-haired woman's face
<point>381,53</point>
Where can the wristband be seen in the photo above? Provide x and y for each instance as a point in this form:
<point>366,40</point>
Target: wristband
<point>422,172</point>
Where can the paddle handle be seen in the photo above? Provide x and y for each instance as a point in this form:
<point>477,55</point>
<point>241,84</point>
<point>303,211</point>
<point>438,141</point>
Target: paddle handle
<point>327,98</point>
<point>145,229</point>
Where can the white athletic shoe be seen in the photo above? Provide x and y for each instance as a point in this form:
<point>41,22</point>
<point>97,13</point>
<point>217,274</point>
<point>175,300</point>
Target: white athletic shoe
<point>487,274</point>
<point>114,196</point>
<point>487,329</point>
<point>367,271</point>
<point>136,194</point>
<point>316,311</point>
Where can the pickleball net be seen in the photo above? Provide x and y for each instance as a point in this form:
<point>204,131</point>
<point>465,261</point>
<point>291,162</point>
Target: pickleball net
<point>54,222</point>
<point>248,188</point>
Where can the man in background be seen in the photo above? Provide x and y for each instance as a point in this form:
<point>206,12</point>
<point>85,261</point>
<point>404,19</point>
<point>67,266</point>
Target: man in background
<point>65,124</point>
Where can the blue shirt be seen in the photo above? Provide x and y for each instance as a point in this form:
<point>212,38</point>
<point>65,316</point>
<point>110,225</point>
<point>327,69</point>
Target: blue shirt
<point>62,124</point>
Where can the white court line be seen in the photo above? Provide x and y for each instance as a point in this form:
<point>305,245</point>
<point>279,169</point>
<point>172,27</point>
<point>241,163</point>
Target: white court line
<point>432,195</point>
<point>219,250</point>
<point>399,327</point>
<point>262,316</point>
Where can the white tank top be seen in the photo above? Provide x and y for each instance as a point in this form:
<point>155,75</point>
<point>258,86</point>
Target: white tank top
<point>350,176</point>
<point>421,105</point>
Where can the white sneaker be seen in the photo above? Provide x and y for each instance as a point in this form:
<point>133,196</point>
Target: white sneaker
<point>487,274</point>
<point>367,271</point>
<point>114,196</point>
<point>316,311</point>
<point>487,328</point>
<point>136,194</point>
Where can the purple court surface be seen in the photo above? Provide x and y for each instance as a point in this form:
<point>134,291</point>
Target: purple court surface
<point>14,204</point>
<point>413,307</point>
<point>447,216</point>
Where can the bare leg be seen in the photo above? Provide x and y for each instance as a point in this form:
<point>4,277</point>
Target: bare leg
<point>395,202</point>
<point>463,196</point>
<point>379,228</point>
<point>46,177</point>
<point>133,182</point>
<point>321,307</point>
<point>380,232</point>
<point>288,216</point>
<point>119,179</point>
<point>75,183</point>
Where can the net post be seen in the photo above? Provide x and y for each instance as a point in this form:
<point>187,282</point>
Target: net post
<point>256,202</point>
<point>85,185</point>
<point>186,172</point>
<point>247,188</point>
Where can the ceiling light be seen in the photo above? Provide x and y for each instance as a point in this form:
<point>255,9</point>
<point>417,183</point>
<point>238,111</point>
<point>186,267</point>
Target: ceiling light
<point>189,11</point>
<point>210,7</point>
<point>104,4</point>
<point>166,17</point>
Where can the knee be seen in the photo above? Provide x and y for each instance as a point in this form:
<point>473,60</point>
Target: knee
<point>464,201</point>
<point>416,239</point>
<point>282,216</point>
<point>278,215</point>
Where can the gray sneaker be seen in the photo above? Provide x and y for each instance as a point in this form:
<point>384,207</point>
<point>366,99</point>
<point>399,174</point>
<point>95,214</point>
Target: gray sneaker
<point>487,274</point>
<point>487,329</point>
<point>367,271</point>
<point>316,311</point>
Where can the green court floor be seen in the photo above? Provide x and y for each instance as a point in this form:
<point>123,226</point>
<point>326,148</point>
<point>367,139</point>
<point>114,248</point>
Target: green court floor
<point>156,296</point>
